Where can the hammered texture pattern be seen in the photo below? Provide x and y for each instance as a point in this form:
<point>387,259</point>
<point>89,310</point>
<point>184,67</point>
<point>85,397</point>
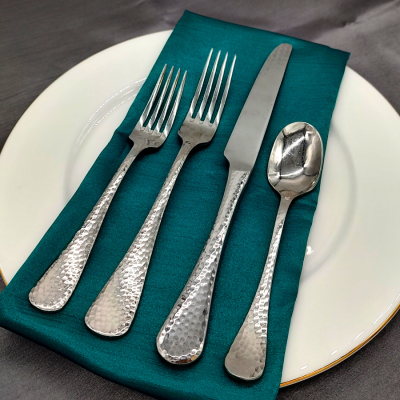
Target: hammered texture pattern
<point>56,286</point>
<point>246,357</point>
<point>181,338</point>
<point>113,311</point>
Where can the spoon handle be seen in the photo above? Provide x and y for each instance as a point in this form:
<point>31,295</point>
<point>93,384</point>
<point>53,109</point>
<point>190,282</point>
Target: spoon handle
<point>56,286</point>
<point>181,338</point>
<point>246,357</point>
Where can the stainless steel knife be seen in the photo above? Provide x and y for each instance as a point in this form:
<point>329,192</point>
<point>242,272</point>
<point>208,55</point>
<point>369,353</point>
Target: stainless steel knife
<point>182,336</point>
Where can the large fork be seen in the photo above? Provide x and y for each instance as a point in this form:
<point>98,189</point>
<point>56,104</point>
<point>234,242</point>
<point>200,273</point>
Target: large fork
<point>58,283</point>
<point>113,311</point>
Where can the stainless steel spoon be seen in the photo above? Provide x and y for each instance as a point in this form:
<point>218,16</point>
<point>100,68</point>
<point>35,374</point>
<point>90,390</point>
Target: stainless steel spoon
<point>294,168</point>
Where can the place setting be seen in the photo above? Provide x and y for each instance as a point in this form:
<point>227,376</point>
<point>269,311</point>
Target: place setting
<point>173,246</point>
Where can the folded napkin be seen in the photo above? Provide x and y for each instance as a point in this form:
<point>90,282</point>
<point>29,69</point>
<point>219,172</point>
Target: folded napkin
<point>308,93</point>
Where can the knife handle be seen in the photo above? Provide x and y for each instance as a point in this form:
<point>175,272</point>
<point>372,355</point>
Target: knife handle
<point>114,309</point>
<point>56,286</point>
<point>181,338</point>
<point>247,354</point>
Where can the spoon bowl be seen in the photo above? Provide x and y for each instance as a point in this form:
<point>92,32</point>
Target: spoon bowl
<point>295,162</point>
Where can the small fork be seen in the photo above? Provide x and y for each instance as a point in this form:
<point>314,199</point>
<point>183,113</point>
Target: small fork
<point>113,311</point>
<point>58,283</point>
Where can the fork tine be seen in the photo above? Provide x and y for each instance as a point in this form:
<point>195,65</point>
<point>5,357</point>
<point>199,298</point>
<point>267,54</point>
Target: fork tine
<point>160,100</point>
<point>172,115</point>
<point>199,86</point>
<point>153,96</point>
<point>209,86</point>
<point>170,95</point>
<point>216,90</point>
<point>225,94</point>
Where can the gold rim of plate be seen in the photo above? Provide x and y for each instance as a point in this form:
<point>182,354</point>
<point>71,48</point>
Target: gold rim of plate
<point>346,356</point>
<point>3,277</point>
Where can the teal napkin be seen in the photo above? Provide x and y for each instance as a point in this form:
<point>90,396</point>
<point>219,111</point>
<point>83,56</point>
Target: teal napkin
<point>308,93</point>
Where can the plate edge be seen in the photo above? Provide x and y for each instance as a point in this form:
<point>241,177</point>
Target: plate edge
<point>345,357</point>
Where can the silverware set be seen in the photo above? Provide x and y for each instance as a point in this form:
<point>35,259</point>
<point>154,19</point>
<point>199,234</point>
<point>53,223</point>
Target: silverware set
<point>293,169</point>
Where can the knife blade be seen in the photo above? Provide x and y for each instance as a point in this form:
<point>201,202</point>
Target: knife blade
<point>183,334</point>
<point>245,141</point>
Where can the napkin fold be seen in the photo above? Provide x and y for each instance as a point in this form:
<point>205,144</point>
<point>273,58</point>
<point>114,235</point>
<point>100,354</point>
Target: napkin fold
<point>308,93</point>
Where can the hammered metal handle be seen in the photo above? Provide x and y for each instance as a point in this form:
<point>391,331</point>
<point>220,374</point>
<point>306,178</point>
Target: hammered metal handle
<point>113,311</point>
<point>181,338</point>
<point>58,283</point>
<point>246,357</point>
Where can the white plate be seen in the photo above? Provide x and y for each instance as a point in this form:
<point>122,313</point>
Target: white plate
<point>350,285</point>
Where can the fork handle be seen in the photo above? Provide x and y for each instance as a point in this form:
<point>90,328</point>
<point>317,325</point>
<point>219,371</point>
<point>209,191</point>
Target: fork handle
<point>181,338</point>
<point>56,286</point>
<point>247,354</point>
<point>113,311</point>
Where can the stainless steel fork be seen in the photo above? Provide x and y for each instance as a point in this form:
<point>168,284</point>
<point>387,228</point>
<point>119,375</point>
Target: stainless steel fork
<point>113,311</point>
<point>58,283</point>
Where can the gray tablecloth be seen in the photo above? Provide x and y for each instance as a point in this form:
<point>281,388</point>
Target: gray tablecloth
<point>41,39</point>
